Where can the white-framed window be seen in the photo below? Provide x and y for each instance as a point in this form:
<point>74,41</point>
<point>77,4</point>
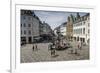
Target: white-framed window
<point>24,32</point>
<point>83,30</point>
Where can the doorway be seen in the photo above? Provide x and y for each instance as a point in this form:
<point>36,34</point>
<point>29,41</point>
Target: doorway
<point>30,39</point>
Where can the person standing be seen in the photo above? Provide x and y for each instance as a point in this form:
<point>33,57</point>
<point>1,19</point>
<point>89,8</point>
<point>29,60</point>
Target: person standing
<point>33,47</point>
<point>53,49</point>
<point>49,46</point>
<point>36,47</point>
<point>79,45</point>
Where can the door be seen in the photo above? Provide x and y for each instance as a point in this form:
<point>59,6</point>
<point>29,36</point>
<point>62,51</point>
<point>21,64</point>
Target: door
<point>30,39</point>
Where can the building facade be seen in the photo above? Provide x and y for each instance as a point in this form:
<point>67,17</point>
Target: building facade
<point>46,32</point>
<point>81,28</point>
<point>63,29</point>
<point>69,27</point>
<point>46,28</point>
<point>29,26</point>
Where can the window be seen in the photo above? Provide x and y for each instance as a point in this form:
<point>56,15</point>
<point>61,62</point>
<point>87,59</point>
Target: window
<point>21,32</point>
<point>24,32</point>
<point>84,22</point>
<point>79,31</point>
<point>24,25</point>
<point>88,31</point>
<point>21,25</point>
<point>29,25</point>
<point>29,18</point>
<point>83,30</point>
<point>29,32</point>
<point>24,17</point>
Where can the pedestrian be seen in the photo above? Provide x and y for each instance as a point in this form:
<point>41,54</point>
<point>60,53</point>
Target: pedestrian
<point>53,50</point>
<point>36,47</point>
<point>71,51</point>
<point>76,52</point>
<point>79,45</point>
<point>49,46</point>
<point>33,47</point>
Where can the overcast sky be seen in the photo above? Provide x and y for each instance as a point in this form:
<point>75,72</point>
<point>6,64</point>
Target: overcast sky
<point>54,18</point>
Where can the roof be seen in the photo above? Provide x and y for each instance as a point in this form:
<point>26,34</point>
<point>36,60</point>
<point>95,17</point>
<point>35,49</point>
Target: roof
<point>82,18</point>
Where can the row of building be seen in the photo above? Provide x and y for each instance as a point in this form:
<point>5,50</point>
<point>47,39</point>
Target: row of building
<point>32,29</point>
<point>76,28</point>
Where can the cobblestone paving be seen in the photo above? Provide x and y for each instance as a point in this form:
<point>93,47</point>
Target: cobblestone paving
<point>43,54</point>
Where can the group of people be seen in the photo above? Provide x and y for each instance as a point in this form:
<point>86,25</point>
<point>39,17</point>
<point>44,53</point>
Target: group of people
<point>35,47</point>
<point>79,47</point>
<point>52,47</point>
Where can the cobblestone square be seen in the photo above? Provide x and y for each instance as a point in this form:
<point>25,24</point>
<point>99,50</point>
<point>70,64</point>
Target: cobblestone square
<point>43,54</point>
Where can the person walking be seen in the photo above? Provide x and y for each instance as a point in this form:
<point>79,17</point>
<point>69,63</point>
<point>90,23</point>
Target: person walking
<point>33,47</point>
<point>79,45</point>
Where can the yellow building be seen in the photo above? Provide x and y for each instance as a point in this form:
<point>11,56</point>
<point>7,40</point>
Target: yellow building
<point>69,27</point>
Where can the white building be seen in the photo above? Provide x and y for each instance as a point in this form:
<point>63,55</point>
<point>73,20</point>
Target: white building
<point>81,28</point>
<point>29,26</point>
<point>63,29</point>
